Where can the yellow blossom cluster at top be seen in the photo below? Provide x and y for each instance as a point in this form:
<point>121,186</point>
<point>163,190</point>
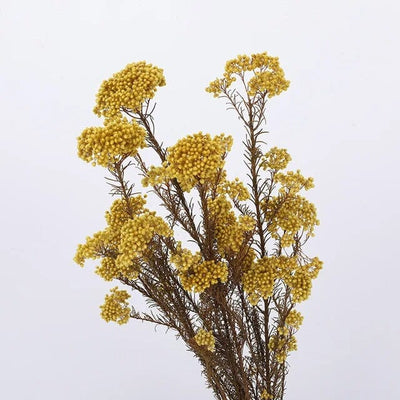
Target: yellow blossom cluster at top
<point>194,159</point>
<point>118,137</point>
<point>195,273</point>
<point>115,307</point>
<point>128,89</point>
<point>206,339</point>
<point>268,77</point>
<point>122,244</point>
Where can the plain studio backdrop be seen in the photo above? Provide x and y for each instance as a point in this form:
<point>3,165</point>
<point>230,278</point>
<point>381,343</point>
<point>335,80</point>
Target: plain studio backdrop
<point>339,120</point>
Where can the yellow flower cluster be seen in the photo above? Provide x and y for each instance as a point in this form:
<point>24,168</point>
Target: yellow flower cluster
<point>239,64</point>
<point>281,345</point>
<point>290,214</point>
<point>283,330</point>
<point>128,89</point>
<point>259,278</point>
<point>234,189</point>
<point>313,267</point>
<point>130,229</point>
<point>204,275</point>
<point>156,176</point>
<point>197,274</point>
<point>184,259</point>
<point>288,211</point>
<point>136,234</point>
<point>229,230</point>
<point>265,395</point>
<point>294,319</point>
<point>268,76</point>
<point>218,85</point>
<point>272,82</point>
<point>101,145</point>
<point>292,182</point>
<point>121,211</point>
<point>107,269</point>
<point>205,338</point>
<point>300,284</point>
<point>108,239</point>
<point>193,159</point>
<point>276,159</point>
<point>92,248</point>
<point>300,280</point>
<point>115,307</point>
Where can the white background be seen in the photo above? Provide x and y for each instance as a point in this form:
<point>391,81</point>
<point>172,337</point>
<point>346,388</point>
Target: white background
<point>339,120</point>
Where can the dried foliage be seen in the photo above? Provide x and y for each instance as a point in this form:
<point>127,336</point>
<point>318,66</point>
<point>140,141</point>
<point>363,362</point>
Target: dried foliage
<point>230,290</point>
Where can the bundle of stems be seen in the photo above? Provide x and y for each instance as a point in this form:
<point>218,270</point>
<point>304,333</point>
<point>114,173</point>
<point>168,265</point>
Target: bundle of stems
<point>230,289</point>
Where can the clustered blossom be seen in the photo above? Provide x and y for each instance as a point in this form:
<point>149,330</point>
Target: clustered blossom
<point>128,89</point>
<point>262,274</point>
<point>265,395</point>
<point>121,211</point>
<point>281,345</point>
<point>116,307</point>
<point>92,248</point>
<point>283,330</point>
<point>300,279</point>
<point>118,137</point>
<point>235,189</point>
<point>288,214</point>
<point>206,339</point>
<point>259,279</point>
<point>294,319</point>
<point>136,235</point>
<point>268,77</point>
<point>229,229</point>
<point>156,176</point>
<point>196,274</point>
<point>271,81</point>
<point>194,159</point>
<point>108,270</point>
<point>276,159</point>
<point>292,182</point>
<point>121,245</point>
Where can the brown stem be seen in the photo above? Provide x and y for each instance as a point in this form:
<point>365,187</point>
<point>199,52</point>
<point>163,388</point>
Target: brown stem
<point>208,225</point>
<point>162,154</point>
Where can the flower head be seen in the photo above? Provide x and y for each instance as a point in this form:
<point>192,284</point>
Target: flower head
<point>128,89</point>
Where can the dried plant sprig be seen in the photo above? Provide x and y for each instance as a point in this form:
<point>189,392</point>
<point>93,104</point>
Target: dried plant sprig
<point>230,289</point>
